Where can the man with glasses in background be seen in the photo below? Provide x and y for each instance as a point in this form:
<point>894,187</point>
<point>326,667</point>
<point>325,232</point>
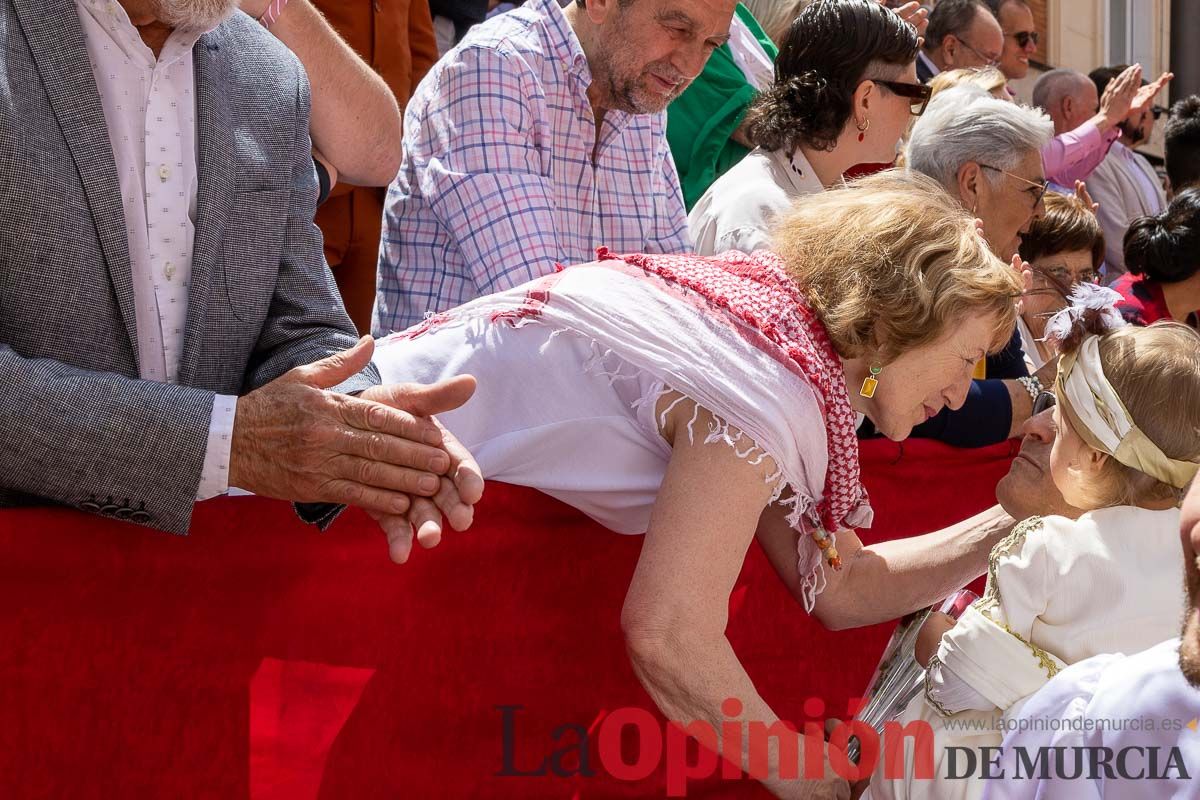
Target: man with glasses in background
<point>1125,184</point>
<point>961,33</point>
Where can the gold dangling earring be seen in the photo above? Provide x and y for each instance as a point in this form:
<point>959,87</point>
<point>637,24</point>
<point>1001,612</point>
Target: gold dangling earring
<point>862,130</point>
<point>871,382</point>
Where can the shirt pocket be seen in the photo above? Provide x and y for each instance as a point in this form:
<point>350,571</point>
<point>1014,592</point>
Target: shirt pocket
<point>251,252</point>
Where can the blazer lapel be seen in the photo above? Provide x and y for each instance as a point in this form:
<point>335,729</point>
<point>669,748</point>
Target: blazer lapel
<point>215,180</point>
<point>56,41</point>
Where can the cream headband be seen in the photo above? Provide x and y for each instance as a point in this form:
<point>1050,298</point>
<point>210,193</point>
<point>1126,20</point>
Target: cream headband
<point>1100,417</point>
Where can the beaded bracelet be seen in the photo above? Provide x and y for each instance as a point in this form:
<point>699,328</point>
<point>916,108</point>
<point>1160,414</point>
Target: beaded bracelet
<point>271,15</point>
<point>1032,384</point>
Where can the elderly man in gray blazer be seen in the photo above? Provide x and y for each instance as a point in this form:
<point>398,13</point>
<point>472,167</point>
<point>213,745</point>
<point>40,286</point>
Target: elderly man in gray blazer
<point>168,326</point>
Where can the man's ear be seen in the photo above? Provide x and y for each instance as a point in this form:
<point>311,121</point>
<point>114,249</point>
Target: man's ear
<point>949,48</point>
<point>599,11</point>
<point>970,175</point>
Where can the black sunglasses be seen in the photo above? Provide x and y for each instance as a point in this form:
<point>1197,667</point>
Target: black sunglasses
<point>1043,401</point>
<point>1025,37</point>
<point>918,93</point>
<point>1157,111</point>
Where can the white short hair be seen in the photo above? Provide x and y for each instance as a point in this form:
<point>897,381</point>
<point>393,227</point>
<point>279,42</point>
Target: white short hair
<point>965,124</point>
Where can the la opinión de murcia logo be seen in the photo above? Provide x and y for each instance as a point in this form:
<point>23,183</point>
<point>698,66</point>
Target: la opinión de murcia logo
<point>574,750</point>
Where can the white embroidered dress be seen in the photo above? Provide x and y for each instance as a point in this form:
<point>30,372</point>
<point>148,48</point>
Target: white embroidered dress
<point>1058,592</point>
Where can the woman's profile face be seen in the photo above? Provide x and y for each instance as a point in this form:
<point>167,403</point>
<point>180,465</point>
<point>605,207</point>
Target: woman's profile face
<point>1054,276</point>
<point>922,381</point>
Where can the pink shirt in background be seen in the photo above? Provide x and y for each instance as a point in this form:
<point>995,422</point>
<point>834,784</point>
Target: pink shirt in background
<point>1072,156</point>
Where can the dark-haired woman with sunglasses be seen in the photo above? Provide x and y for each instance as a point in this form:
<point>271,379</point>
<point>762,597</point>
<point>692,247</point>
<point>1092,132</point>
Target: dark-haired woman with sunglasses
<point>845,89</point>
<point>1064,247</point>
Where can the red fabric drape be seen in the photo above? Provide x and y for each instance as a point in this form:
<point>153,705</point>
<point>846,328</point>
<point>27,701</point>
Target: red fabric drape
<point>258,658</point>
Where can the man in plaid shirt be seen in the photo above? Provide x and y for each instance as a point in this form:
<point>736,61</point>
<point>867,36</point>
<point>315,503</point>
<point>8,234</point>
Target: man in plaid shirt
<point>539,138</point>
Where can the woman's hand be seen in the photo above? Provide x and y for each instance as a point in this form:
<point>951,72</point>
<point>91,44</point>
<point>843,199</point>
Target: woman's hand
<point>930,636</point>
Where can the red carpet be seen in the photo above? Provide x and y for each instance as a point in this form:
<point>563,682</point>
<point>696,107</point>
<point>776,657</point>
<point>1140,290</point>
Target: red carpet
<point>257,658</point>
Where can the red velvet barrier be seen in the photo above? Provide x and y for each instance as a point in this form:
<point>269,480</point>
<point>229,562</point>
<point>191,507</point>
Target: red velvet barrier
<point>257,658</point>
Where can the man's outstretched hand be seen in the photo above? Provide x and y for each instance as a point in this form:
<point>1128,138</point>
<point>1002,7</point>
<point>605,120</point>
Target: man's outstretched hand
<point>382,451</point>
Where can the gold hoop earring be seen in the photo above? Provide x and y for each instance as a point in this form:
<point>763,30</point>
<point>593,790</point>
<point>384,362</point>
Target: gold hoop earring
<point>862,130</point>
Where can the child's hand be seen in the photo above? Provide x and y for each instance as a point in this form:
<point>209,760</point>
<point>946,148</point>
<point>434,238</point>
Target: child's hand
<point>930,636</point>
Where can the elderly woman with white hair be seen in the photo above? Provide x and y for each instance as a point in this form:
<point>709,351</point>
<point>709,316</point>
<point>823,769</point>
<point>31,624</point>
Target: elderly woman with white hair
<point>986,153</point>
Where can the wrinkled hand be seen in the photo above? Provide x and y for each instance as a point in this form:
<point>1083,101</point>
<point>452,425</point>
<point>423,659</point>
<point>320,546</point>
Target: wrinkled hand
<point>1144,98</point>
<point>1082,195</point>
<point>459,489</point>
<point>294,440</point>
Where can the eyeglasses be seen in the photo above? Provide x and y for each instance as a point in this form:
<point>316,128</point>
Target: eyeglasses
<point>917,93</point>
<point>1043,401</point>
<point>1061,279</point>
<point>989,61</point>
<point>1024,38</point>
<point>1157,111</point>
<point>1041,187</point>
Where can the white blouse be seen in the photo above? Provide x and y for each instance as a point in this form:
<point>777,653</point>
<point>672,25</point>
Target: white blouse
<point>739,209</point>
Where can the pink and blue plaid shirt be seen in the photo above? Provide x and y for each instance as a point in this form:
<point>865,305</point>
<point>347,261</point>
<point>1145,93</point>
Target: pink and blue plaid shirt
<point>499,181</point>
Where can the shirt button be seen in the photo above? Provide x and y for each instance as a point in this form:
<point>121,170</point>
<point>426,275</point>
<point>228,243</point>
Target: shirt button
<point>164,172</point>
<point>169,270</point>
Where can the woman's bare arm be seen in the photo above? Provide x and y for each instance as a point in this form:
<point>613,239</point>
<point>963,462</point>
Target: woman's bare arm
<point>676,609</point>
<point>890,579</point>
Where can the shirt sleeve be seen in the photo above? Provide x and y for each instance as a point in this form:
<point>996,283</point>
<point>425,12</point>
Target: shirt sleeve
<point>214,474</point>
<point>1072,156</point>
<point>480,162</point>
<point>949,692</point>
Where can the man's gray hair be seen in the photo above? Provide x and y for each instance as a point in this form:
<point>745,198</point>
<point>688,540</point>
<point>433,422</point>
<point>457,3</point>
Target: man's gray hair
<point>1056,84</point>
<point>965,124</point>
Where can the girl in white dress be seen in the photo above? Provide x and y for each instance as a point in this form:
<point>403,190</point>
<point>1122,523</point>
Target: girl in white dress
<point>1062,590</point>
<point>709,401</point>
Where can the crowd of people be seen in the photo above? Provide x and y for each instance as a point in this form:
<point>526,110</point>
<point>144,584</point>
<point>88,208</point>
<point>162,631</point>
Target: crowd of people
<point>665,261</point>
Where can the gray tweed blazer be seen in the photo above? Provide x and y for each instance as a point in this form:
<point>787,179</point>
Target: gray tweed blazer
<point>77,426</point>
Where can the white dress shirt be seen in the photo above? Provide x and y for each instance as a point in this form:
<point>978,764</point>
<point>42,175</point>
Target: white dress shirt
<point>1126,187</point>
<point>150,111</point>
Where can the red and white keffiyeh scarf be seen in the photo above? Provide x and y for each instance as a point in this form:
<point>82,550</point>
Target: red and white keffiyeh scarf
<point>756,289</point>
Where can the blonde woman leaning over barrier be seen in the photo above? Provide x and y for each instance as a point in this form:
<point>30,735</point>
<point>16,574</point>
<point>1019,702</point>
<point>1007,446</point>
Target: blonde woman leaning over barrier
<point>708,401</point>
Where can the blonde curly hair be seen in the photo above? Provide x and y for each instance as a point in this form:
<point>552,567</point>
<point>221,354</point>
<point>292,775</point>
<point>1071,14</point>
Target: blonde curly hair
<point>890,261</point>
